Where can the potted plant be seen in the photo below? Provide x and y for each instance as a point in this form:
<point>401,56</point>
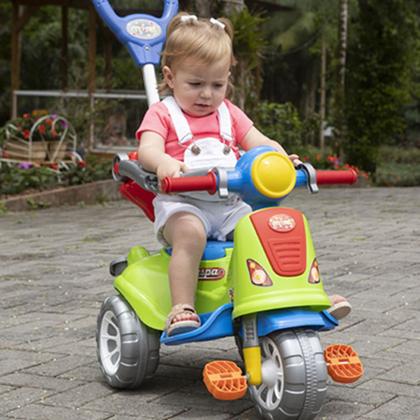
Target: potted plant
<point>38,137</point>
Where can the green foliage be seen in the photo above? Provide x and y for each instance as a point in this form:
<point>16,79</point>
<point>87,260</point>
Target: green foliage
<point>398,166</point>
<point>298,34</point>
<point>248,44</point>
<point>248,40</point>
<point>280,122</point>
<point>36,205</point>
<point>379,77</point>
<point>96,169</point>
<point>14,180</point>
<point>2,135</point>
<point>41,49</point>
<point>392,174</point>
<point>399,155</point>
<point>5,13</point>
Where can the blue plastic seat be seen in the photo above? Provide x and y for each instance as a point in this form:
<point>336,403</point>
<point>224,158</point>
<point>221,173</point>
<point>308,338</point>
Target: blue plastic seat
<point>213,250</point>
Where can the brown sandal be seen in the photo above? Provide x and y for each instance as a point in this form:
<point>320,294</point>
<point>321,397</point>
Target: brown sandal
<point>190,322</point>
<point>340,307</point>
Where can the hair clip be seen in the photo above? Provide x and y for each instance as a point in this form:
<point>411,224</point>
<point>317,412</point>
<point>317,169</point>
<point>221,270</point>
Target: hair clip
<point>188,18</point>
<point>217,22</point>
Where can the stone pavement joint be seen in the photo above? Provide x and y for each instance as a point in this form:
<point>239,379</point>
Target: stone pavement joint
<point>54,277</point>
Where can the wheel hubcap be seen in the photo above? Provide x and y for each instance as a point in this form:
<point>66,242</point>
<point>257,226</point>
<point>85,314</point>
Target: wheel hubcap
<point>110,343</point>
<point>269,394</point>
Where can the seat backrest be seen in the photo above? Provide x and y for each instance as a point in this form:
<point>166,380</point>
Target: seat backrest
<point>140,197</point>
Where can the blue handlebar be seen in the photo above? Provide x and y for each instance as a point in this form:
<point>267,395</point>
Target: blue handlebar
<point>143,35</point>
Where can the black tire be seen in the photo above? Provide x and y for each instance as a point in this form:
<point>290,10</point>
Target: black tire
<point>127,350</point>
<point>294,376</point>
<point>238,342</point>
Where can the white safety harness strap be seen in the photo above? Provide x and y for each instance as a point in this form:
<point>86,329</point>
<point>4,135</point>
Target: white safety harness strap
<point>182,128</point>
<point>225,123</point>
<point>179,121</point>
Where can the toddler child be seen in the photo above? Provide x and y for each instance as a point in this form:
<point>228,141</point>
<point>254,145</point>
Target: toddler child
<point>196,128</point>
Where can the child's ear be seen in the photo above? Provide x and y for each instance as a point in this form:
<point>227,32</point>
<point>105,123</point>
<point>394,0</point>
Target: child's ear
<point>168,76</point>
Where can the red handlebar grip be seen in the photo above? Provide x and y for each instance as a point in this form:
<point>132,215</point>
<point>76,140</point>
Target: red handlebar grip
<point>190,183</point>
<point>324,177</point>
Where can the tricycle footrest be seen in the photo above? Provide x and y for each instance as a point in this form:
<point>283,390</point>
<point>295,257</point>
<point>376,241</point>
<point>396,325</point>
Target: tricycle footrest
<point>343,363</point>
<point>224,380</point>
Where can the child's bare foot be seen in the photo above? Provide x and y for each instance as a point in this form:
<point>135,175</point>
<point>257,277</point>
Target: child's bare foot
<point>340,307</point>
<point>182,319</point>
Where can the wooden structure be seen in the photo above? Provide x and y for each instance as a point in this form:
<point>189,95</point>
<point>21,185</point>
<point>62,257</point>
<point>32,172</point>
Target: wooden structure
<point>23,10</point>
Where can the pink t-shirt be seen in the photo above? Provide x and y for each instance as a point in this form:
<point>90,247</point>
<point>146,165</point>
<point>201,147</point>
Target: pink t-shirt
<point>158,120</point>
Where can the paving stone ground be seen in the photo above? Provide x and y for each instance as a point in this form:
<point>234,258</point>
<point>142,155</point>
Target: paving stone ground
<point>54,276</point>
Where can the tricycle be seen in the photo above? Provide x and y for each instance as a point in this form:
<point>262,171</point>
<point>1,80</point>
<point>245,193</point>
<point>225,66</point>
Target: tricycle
<point>262,287</point>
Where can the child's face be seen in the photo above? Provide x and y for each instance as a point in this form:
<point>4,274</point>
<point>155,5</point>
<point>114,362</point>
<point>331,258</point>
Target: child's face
<point>198,88</point>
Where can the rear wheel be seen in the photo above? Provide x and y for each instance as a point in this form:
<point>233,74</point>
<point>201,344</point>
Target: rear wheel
<point>127,350</point>
<point>294,376</point>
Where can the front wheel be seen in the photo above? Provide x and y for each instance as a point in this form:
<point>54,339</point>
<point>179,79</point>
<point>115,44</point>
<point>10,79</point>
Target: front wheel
<point>128,350</point>
<point>294,376</point>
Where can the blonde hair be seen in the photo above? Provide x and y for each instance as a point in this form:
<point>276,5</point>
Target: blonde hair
<point>199,39</point>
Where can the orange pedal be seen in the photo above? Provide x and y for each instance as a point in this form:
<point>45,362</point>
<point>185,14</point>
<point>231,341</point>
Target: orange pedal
<point>224,380</point>
<point>343,363</point>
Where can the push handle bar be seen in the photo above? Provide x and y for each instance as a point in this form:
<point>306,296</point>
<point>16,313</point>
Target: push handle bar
<point>142,34</point>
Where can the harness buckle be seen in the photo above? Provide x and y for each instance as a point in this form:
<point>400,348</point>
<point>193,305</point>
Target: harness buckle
<point>195,150</point>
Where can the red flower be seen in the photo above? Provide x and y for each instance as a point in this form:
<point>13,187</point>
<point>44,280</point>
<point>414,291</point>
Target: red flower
<point>81,164</point>
<point>26,116</point>
<point>26,134</point>
<point>41,129</point>
<point>331,158</point>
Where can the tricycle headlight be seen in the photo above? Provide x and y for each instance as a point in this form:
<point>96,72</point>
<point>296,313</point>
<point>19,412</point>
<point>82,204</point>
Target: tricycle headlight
<point>314,276</point>
<point>273,174</point>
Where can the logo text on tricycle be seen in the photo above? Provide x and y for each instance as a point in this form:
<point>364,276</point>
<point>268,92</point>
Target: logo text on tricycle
<point>211,273</point>
<point>143,29</point>
<point>282,222</point>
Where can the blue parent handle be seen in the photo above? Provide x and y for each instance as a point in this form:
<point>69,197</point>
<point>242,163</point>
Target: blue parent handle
<point>143,35</point>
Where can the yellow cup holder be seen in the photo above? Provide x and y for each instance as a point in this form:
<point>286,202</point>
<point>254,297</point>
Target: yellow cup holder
<point>273,174</point>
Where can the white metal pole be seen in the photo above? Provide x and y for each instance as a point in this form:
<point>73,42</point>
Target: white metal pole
<point>150,84</point>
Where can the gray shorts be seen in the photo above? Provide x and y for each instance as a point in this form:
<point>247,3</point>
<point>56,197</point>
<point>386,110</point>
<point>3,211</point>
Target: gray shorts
<point>219,217</point>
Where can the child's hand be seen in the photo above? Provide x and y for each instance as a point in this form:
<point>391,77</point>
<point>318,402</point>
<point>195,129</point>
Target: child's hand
<point>170,167</point>
<point>295,160</point>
